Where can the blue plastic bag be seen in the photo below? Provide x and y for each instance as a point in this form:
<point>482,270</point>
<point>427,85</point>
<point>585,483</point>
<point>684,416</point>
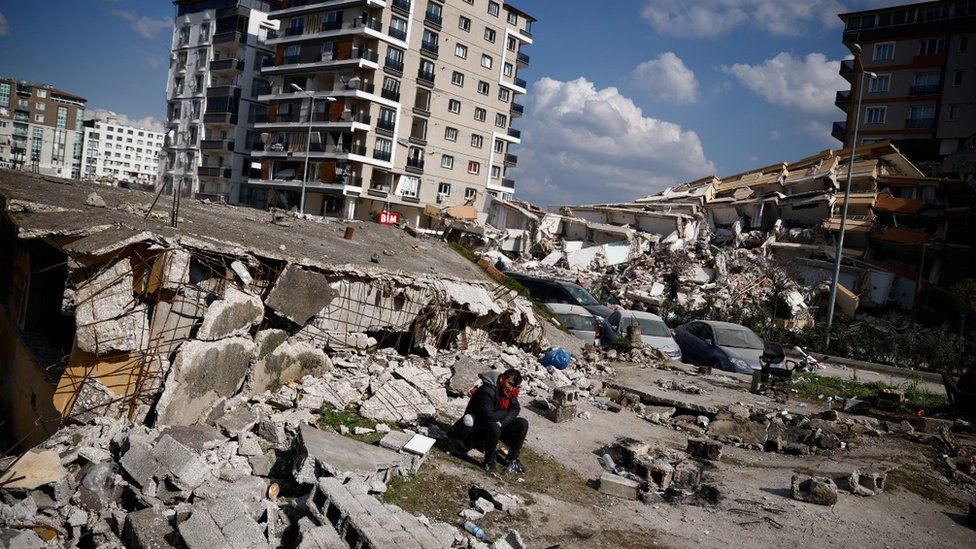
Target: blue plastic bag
<point>557,358</point>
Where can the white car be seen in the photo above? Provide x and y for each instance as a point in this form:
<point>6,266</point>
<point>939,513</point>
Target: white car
<point>654,332</point>
<point>577,320</point>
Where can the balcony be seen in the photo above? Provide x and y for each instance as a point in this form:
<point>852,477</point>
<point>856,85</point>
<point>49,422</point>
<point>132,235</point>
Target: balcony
<point>220,118</point>
<point>920,123</point>
<point>523,60</point>
<point>388,126</point>
<point>217,144</point>
<point>516,109</point>
<point>426,78</point>
<point>839,131</point>
<point>842,99</point>
<point>927,89</point>
<point>517,134</point>
<point>392,95</point>
<point>228,38</point>
<point>222,172</point>
<point>402,6</point>
<point>511,160</point>
<point>382,155</point>
<point>358,23</point>
<point>433,19</point>
<point>429,48</point>
<point>224,91</point>
<point>520,82</point>
<point>399,34</point>
<point>415,165</point>
<point>295,31</point>
<point>394,66</point>
<point>847,69</point>
<point>229,64</point>
<point>508,183</point>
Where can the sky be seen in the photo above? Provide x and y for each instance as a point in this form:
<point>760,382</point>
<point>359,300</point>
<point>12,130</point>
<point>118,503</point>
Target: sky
<point>625,98</point>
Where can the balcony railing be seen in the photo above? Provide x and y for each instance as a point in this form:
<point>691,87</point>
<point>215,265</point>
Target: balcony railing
<point>847,67</point>
<point>226,37</point>
<point>839,130</point>
<point>294,31</point>
<point>394,65</point>
<point>915,123</point>
<point>416,164</point>
<point>399,34</point>
<point>225,118</point>
<point>392,95</point>
<point>214,171</point>
<point>508,183</point>
<point>224,91</point>
<point>403,6</point>
<point>386,125</point>
<point>425,77</point>
<point>511,160</point>
<point>365,54</point>
<point>429,47</point>
<point>512,132</point>
<point>517,109</point>
<point>520,82</point>
<point>217,144</point>
<point>523,59</point>
<point>227,64</point>
<point>381,155</point>
<point>842,97</point>
<point>433,18</point>
<point>927,89</point>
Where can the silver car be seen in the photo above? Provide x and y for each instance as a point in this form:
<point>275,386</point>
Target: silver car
<point>721,345</point>
<point>654,332</point>
<point>577,320</point>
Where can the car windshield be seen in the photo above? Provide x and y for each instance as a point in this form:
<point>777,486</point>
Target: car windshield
<point>737,337</point>
<point>648,326</point>
<point>581,296</point>
<point>576,322</point>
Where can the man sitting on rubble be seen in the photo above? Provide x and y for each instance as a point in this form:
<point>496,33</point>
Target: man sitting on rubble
<point>492,415</point>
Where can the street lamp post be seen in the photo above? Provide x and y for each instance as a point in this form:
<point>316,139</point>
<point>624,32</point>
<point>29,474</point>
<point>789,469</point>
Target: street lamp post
<point>308,140</point>
<point>838,255</point>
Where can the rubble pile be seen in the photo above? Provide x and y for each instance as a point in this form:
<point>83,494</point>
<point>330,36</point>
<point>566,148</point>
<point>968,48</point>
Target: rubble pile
<point>636,469</point>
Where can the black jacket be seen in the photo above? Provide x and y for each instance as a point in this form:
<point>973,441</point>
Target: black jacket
<point>484,407</point>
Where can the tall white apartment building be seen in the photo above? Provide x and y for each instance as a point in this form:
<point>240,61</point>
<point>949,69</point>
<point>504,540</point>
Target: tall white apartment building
<point>405,104</point>
<point>40,128</point>
<point>115,153</point>
<point>212,89</point>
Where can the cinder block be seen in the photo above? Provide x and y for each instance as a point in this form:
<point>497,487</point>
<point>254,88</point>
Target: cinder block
<point>618,486</point>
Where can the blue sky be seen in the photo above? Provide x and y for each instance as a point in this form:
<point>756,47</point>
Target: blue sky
<point>622,101</point>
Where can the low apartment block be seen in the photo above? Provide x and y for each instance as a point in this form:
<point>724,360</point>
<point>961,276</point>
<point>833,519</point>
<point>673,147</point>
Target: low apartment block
<point>40,128</point>
<point>402,106</point>
<point>924,96</point>
<point>212,88</point>
<point>119,154</point>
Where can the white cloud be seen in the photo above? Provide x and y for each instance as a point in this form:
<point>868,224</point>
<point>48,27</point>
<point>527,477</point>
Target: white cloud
<point>807,84</point>
<point>666,78</point>
<point>149,122</point>
<point>584,145</point>
<point>704,18</point>
<point>143,25</point>
<point>4,27</point>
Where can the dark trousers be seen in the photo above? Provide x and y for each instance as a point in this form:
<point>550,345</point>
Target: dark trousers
<point>487,435</point>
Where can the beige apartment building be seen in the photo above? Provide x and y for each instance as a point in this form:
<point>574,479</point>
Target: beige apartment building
<point>924,96</point>
<point>41,128</point>
<point>412,106</point>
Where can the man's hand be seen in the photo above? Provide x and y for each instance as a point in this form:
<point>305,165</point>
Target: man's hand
<point>499,424</point>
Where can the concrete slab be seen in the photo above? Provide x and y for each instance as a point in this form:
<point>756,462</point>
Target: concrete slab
<point>299,294</point>
<point>321,453</point>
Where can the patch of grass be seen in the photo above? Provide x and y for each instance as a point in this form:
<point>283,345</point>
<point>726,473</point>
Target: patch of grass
<point>430,492</point>
<point>578,536</point>
<point>914,480</point>
<point>811,385</point>
<point>550,477</point>
<point>334,418</point>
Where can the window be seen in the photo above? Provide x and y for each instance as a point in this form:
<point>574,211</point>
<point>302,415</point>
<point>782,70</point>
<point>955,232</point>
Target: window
<point>927,82</point>
<point>41,93</point>
<point>499,146</point>
<point>931,47</point>
<point>477,141</point>
<point>957,78</point>
<point>503,94</point>
<point>493,8</point>
<point>512,43</point>
<point>4,95</point>
<point>885,51</point>
<point>205,32</point>
<point>62,121</point>
<point>876,115</point>
<point>953,112</point>
<point>398,28</point>
<point>486,61</point>
<point>880,84</point>
<point>474,167</point>
<point>447,162</point>
<point>480,114</point>
<point>460,50</point>
<point>184,35</point>
<point>464,23</point>
<point>444,189</point>
<point>409,186</point>
<point>291,55</point>
<point>22,104</point>
<point>924,112</point>
<point>508,69</point>
<point>512,18</point>
<point>470,193</point>
<point>454,106</point>
<point>963,43</point>
<point>430,41</point>
<point>496,172</point>
<point>457,78</point>
<point>40,105</point>
<point>394,59</point>
<point>501,120</point>
<point>483,87</point>
<point>38,118</point>
<point>490,35</point>
<point>383,149</point>
<point>450,134</point>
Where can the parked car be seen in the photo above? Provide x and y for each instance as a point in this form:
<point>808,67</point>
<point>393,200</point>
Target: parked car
<point>721,345</point>
<point>654,332</point>
<point>558,291</point>
<point>578,321</point>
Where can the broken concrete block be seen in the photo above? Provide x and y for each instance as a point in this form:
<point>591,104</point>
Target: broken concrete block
<point>395,440</point>
<point>484,505</point>
<point>687,476</point>
<point>321,537</point>
<point>107,316</point>
<point>704,448</point>
<point>618,486</point>
<point>238,420</point>
<point>201,532</point>
<point>202,375</point>
<point>506,502</point>
<point>22,539</point>
<point>148,529</point>
<point>866,484</point>
<point>242,273</point>
<point>289,360</point>
<point>185,467</point>
<point>299,294</point>
<point>818,490</point>
<point>396,400</point>
<point>425,382</point>
<point>268,340</point>
<point>471,514</point>
<point>320,453</point>
<point>466,375</point>
<point>32,470</point>
<point>139,463</point>
<point>234,315</point>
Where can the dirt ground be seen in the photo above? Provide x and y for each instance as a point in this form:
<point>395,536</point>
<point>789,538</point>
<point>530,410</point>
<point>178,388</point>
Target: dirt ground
<point>920,508</point>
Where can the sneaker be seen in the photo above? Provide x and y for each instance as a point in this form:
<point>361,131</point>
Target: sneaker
<point>489,468</point>
<point>515,467</point>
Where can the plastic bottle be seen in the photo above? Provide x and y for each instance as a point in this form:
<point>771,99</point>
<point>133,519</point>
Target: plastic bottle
<point>608,463</point>
<point>476,531</point>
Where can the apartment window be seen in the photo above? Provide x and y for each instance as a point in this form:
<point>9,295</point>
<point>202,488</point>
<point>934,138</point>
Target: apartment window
<point>508,69</point>
<point>196,110</point>
<point>461,51</point>
<point>22,104</point>
<point>957,78</point>
<point>490,35</point>
<point>499,146</point>
<point>39,118</point>
<point>426,69</point>
<point>41,93</point>
<point>178,85</point>
<point>464,23</point>
<point>953,112</point>
<point>501,120</point>
<point>480,114</point>
<point>503,94</point>
<point>880,84</point>
<point>4,95</point>
<point>447,162</point>
<point>474,167</point>
<point>205,32</point>
<point>483,87</point>
<point>62,121</point>
<point>450,134</point>
<point>512,18</point>
<point>457,78</point>
<point>398,28</point>
<point>511,43</point>
<point>383,150</point>
<point>477,141</point>
<point>470,193</point>
<point>927,82</point>
<point>931,47</point>
<point>184,35</point>
<point>454,106</point>
<point>884,51</point>
<point>444,189</point>
<point>430,41</point>
<point>486,61</point>
<point>496,172</point>
<point>40,105</point>
<point>924,112</point>
<point>876,115</point>
<point>394,59</point>
<point>409,186</point>
<point>493,8</point>
<point>963,43</point>
<point>387,119</point>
